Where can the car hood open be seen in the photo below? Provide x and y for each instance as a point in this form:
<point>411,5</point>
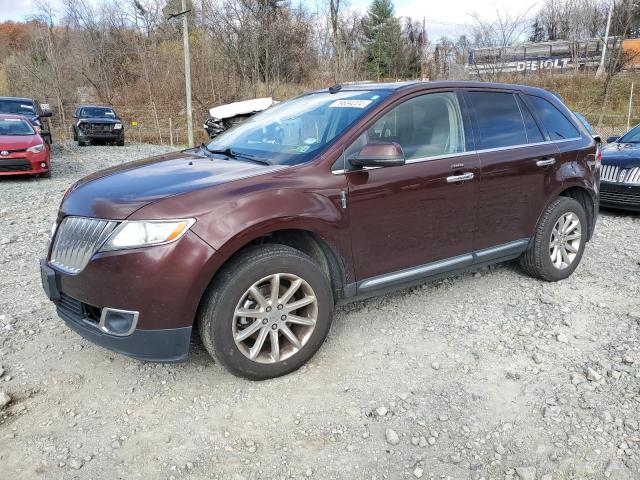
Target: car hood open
<point>117,192</point>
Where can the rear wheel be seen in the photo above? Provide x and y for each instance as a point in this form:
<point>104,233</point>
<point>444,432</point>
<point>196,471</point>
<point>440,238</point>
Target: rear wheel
<point>559,241</point>
<point>267,312</point>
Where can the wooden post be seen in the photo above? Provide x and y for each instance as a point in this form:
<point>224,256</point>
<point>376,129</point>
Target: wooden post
<point>629,111</point>
<point>170,132</point>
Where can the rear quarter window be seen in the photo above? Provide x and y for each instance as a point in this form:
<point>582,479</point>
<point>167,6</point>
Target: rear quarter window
<point>557,125</point>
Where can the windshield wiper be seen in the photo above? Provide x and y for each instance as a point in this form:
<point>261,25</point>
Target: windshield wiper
<point>227,152</point>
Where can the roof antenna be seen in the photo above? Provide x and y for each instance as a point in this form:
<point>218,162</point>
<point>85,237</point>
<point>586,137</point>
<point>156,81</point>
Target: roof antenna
<point>335,88</point>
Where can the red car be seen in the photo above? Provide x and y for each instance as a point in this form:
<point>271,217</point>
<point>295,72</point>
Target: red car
<point>22,149</point>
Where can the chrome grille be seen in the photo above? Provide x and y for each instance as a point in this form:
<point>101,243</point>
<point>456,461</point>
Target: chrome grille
<point>76,240</point>
<point>633,176</point>
<point>609,173</point>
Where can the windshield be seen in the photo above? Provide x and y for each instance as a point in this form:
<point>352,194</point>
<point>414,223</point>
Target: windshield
<point>15,126</point>
<point>632,136</point>
<point>295,131</point>
<point>17,107</point>
<point>96,112</point>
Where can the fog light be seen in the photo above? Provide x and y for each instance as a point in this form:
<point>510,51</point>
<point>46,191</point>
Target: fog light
<point>118,322</point>
<point>43,165</point>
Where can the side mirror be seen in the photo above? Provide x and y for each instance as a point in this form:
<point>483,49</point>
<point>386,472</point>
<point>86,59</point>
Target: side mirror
<point>382,154</point>
<point>597,138</point>
<point>47,113</point>
<point>612,139</point>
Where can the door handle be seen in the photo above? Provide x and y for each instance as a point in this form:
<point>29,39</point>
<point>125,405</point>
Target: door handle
<point>545,162</point>
<point>460,178</point>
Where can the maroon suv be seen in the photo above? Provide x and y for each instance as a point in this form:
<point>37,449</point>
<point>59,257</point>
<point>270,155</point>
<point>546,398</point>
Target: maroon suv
<point>335,195</point>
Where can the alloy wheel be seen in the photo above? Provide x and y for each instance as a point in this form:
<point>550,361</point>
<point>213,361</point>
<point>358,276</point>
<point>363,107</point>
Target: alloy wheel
<point>275,318</point>
<point>565,241</point>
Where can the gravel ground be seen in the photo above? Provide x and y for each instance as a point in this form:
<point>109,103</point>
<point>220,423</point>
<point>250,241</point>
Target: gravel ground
<point>486,375</point>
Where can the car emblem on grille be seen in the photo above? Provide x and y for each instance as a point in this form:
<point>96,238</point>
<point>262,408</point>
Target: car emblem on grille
<point>622,176</point>
<point>4,153</point>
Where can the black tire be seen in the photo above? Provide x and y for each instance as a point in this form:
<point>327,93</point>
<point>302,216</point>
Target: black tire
<point>536,261</point>
<point>84,143</point>
<point>46,174</point>
<point>75,135</point>
<point>216,313</point>
<point>120,142</point>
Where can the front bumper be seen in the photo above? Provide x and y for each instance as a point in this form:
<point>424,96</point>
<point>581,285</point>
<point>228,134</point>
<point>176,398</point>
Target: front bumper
<point>25,163</point>
<point>163,284</point>
<point>168,345</point>
<point>620,195</point>
<point>113,135</point>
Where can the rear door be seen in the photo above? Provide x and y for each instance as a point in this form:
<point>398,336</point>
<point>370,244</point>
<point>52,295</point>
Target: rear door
<point>425,210</point>
<point>517,167</point>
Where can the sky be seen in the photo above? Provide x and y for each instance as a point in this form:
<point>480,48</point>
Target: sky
<point>443,17</point>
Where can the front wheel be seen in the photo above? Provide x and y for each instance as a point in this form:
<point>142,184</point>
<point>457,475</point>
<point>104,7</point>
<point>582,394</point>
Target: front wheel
<point>267,312</point>
<point>559,241</point>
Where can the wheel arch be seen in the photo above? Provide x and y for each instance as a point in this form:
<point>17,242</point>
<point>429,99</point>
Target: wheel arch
<point>584,198</point>
<point>308,242</point>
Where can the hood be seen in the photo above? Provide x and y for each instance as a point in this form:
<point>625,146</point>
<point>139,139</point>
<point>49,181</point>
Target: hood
<point>117,192</point>
<point>624,155</point>
<point>18,142</point>
<point>99,120</point>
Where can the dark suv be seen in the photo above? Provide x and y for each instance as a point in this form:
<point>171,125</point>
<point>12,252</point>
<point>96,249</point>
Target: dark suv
<point>32,110</point>
<point>95,123</point>
<point>334,195</point>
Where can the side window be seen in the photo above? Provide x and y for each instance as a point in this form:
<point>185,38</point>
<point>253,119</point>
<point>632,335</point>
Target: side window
<point>499,120</point>
<point>533,131</point>
<point>425,126</point>
<point>558,126</point>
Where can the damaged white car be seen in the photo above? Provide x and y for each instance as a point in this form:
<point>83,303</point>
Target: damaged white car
<point>226,116</point>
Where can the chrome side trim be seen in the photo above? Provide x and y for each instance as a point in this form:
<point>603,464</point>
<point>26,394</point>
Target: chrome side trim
<point>504,251</point>
<point>469,152</point>
<point>414,273</point>
<point>511,248</point>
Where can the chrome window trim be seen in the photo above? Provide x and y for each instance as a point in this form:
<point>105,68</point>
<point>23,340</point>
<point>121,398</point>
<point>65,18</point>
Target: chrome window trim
<point>469,152</point>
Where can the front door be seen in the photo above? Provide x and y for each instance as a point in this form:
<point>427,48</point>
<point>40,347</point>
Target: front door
<point>424,211</point>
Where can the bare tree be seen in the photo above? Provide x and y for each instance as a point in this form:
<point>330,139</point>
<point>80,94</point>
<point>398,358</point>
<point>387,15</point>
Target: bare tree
<point>493,37</point>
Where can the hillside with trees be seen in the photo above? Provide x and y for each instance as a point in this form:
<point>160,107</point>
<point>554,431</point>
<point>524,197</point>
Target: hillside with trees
<point>129,54</point>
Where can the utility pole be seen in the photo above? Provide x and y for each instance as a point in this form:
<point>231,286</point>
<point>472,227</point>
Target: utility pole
<point>187,72</point>
<point>187,67</point>
<point>600,70</point>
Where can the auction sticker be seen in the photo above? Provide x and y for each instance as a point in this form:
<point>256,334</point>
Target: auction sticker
<point>350,104</point>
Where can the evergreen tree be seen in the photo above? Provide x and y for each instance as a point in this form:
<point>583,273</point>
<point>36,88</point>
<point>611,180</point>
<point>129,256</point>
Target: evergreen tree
<point>382,39</point>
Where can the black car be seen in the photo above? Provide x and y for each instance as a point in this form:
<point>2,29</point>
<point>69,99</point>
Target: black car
<point>95,123</point>
<point>32,110</point>
<point>620,176</point>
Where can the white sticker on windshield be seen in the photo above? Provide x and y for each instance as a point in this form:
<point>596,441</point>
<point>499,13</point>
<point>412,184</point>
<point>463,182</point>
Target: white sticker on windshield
<point>350,104</point>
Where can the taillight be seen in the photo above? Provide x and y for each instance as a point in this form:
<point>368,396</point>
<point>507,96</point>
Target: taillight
<point>598,156</point>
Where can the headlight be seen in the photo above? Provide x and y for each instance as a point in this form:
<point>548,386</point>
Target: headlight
<point>117,126</point>
<point>135,234</point>
<point>36,148</point>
